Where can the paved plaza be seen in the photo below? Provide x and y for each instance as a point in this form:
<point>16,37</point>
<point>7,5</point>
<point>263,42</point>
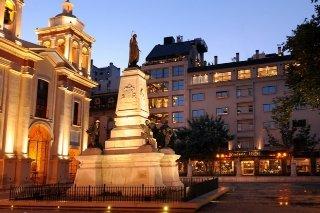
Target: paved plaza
<point>268,197</point>
<point>246,197</point>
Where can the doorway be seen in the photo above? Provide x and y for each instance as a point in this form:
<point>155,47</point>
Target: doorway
<point>39,141</point>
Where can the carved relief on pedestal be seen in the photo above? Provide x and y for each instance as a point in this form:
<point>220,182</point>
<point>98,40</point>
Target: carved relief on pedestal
<point>128,98</point>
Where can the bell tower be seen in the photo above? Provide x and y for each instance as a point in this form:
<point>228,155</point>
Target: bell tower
<point>10,17</point>
<point>66,34</point>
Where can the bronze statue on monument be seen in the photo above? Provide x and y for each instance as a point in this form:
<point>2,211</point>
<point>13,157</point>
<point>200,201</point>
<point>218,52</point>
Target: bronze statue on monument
<point>134,51</point>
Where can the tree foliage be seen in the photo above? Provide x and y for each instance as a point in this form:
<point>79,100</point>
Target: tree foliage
<point>203,137</point>
<point>303,75</point>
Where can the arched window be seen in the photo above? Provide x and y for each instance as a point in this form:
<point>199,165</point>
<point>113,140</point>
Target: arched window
<point>9,12</point>
<point>61,46</point>
<point>85,58</point>
<point>75,53</point>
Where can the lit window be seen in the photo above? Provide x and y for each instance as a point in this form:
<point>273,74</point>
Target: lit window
<point>158,87</point>
<point>160,73</point>
<point>200,79</point>
<point>222,94</point>
<point>178,85</point>
<point>178,100</point>
<point>177,117</point>
<point>268,107</point>
<point>244,74</point>
<point>222,111</point>
<point>178,71</point>
<point>158,102</point>
<point>267,71</point>
<point>197,113</point>
<point>222,76</point>
<point>198,97</point>
<point>267,90</point>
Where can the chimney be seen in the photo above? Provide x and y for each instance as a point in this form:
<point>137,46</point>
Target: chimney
<point>237,57</point>
<point>257,54</point>
<point>279,51</point>
<point>168,40</point>
<point>179,38</point>
<point>215,60</point>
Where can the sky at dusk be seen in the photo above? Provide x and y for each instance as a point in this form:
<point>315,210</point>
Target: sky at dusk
<point>226,26</point>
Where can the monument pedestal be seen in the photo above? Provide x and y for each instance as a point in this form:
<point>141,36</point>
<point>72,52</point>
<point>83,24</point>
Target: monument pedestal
<point>130,157</point>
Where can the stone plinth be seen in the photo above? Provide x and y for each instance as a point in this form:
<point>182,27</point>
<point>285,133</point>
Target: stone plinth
<point>169,168</point>
<point>149,169</point>
<point>128,159</point>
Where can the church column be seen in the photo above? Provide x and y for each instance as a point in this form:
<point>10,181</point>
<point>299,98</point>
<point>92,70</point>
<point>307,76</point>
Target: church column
<point>63,122</point>
<point>53,42</point>
<point>85,123</point>
<point>2,7</point>
<point>59,163</point>
<point>17,24</point>
<point>89,61</point>
<point>23,165</point>
<point>24,115</point>
<point>80,56</point>
<point>67,48</point>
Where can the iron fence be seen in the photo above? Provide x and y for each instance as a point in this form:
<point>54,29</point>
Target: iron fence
<point>67,192</point>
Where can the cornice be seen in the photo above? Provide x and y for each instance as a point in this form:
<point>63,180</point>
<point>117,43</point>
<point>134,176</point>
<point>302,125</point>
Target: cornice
<point>49,30</point>
<point>18,50</point>
<point>76,77</point>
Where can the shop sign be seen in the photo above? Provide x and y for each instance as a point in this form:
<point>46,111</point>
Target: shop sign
<point>245,154</point>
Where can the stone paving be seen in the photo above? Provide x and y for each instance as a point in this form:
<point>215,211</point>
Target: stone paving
<point>267,197</point>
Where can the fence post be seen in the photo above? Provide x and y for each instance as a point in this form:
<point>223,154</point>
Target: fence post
<point>89,193</point>
<point>104,192</point>
<point>142,193</point>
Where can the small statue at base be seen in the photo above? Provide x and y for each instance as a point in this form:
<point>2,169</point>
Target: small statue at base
<point>94,134</point>
<point>133,51</point>
<point>148,135</point>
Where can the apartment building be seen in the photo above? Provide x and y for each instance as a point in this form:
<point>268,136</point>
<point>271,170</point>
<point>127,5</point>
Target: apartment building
<point>241,92</point>
<point>167,65</point>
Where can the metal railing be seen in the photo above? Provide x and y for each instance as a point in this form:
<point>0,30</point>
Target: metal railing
<point>67,192</point>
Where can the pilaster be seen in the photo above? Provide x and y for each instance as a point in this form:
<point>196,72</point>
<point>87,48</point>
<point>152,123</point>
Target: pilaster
<point>85,123</point>
<point>80,55</point>
<point>2,7</point>
<point>24,114</point>
<point>18,21</point>
<point>67,47</point>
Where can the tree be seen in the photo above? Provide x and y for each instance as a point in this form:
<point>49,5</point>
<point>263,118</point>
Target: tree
<point>303,75</point>
<point>203,137</point>
<point>292,138</point>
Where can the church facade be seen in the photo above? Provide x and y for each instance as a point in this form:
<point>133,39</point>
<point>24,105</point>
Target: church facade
<point>44,97</point>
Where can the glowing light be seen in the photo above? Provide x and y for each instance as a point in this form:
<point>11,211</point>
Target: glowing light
<point>284,154</point>
<point>165,208</point>
<point>58,207</point>
<point>222,155</point>
<point>279,155</point>
<point>11,206</point>
<point>218,156</point>
<point>109,207</point>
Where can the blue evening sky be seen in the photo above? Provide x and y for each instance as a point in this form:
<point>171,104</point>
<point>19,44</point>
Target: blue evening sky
<point>226,26</point>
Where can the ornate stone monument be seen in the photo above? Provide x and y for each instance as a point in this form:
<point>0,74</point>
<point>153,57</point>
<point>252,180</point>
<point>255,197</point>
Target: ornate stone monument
<point>131,157</point>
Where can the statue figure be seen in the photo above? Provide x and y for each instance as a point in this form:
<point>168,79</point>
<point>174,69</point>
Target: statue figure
<point>133,51</point>
<point>94,134</point>
<point>148,135</point>
<point>168,134</point>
